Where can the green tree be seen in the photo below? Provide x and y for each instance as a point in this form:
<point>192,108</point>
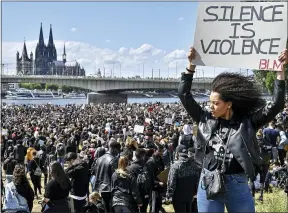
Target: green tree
<point>51,87</point>
<point>267,78</point>
<point>66,89</point>
<point>25,85</point>
<point>36,86</point>
<point>269,81</point>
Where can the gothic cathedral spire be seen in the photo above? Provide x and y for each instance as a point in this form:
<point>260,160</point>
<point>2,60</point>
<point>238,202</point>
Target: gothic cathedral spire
<point>24,53</point>
<point>41,37</point>
<point>50,42</point>
<point>52,53</point>
<point>64,55</point>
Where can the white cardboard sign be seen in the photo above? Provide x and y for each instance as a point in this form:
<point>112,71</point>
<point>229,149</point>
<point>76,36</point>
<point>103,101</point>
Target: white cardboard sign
<point>246,35</point>
<point>139,129</point>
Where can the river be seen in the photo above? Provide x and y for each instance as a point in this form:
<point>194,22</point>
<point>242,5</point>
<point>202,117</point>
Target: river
<point>84,101</point>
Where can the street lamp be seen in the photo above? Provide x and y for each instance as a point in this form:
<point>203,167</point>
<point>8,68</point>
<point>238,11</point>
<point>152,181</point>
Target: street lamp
<point>120,69</point>
<point>113,70</point>
<point>143,68</point>
<point>176,68</point>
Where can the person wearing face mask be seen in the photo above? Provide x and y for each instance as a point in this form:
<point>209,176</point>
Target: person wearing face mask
<point>226,147</point>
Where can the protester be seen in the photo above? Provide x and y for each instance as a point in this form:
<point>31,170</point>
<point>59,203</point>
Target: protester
<point>183,181</point>
<point>18,193</point>
<point>35,169</point>
<point>226,138</point>
<point>125,193</point>
<point>78,172</point>
<point>105,166</point>
<point>110,128</point>
<point>57,190</point>
<point>8,166</point>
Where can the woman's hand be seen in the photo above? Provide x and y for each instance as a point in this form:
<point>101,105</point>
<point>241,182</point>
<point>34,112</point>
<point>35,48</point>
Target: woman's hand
<point>191,56</point>
<point>283,58</point>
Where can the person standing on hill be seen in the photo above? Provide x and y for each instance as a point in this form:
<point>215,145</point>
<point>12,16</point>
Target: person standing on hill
<point>227,147</point>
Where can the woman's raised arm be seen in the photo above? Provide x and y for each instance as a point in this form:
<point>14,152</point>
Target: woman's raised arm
<point>184,90</point>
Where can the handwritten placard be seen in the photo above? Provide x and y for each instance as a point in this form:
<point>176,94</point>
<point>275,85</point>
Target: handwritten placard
<point>246,35</point>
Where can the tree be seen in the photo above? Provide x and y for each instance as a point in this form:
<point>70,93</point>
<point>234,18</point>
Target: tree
<point>25,85</point>
<point>36,86</point>
<point>269,81</point>
<point>66,89</point>
<point>51,87</point>
<point>267,78</point>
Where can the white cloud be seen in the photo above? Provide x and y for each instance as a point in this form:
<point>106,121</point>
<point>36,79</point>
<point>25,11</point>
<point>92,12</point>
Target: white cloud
<point>93,58</point>
<point>180,19</point>
<point>175,55</point>
<point>107,41</point>
<point>73,29</point>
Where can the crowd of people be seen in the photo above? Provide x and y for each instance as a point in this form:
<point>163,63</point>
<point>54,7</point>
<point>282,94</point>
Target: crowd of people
<point>99,149</point>
<point>128,157</point>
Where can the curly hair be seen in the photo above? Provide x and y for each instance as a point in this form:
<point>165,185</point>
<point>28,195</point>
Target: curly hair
<point>19,175</point>
<point>240,90</point>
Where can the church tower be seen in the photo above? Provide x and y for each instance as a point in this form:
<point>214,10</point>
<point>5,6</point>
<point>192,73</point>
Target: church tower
<point>41,56</point>
<point>52,53</point>
<point>64,55</point>
<point>24,63</point>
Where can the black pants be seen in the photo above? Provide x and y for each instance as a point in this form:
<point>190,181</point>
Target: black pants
<point>78,205</point>
<point>282,156</point>
<point>121,209</point>
<point>36,181</point>
<point>145,202</point>
<point>182,207</point>
<point>263,180</point>
<point>156,202</point>
<point>45,178</point>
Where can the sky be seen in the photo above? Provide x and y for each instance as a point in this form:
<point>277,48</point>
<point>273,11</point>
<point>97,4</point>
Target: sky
<point>131,38</point>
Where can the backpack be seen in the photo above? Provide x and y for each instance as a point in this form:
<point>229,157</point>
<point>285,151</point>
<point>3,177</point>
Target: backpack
<point>144,181</point>
<point>60,150</point>
<point>187,140</point>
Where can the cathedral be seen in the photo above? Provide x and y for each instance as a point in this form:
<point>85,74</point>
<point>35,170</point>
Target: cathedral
<point>45,62</point>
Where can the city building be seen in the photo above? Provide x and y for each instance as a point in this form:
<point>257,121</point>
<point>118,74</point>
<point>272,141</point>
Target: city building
<point>46,62</point>
<point>24,63</point>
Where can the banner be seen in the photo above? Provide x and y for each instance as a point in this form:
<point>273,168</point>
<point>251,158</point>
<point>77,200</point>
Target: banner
<point>247,35</point>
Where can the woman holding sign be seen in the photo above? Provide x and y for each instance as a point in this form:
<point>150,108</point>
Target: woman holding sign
<point>226,147</point>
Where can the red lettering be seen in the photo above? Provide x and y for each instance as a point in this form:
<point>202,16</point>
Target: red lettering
<point>263,64</point>
<point>277,66</point>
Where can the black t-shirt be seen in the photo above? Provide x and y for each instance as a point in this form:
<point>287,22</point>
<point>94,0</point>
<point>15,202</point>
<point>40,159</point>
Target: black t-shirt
<point>53,191</point>
<point>216,149</point>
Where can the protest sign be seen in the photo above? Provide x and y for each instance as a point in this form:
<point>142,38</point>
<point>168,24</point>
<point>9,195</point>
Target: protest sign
<point>139,129</point>
<point>168,120</point>
<point>247,35</point>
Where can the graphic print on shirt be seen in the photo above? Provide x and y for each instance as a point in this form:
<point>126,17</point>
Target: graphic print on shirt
<point>219,147</point>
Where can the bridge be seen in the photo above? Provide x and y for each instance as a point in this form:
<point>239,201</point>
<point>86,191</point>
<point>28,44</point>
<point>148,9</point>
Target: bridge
<point>101,84</point>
